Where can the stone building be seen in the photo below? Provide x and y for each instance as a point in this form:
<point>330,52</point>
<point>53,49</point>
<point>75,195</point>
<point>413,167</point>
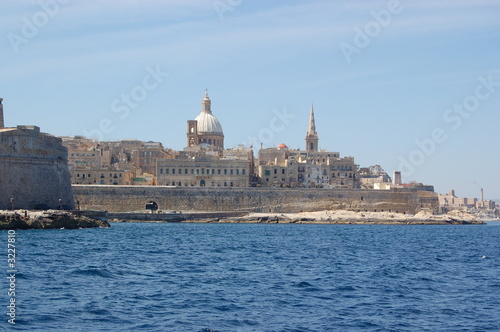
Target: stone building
<point>205,130</point>
<point>33,169</point>
<point>204,161</point>
<point>450,201</point>
<point>374,177</point>
<point>102,176</point>
<point>204,171</point>
<point>146,156</point>
<point>284,167</point>
<point>89,159</point>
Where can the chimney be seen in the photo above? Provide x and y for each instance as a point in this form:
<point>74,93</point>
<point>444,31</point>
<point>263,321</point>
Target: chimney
<point>2,124</point>
<point>482,195</point>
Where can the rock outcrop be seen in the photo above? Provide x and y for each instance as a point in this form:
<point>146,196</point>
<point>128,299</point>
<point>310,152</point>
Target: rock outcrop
<point>50,219</point>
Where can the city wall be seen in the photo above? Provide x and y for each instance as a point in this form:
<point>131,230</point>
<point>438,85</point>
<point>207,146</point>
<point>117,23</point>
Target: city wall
<point>134,198</point>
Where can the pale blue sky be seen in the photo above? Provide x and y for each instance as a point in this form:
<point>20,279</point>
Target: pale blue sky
<point>65,68</point>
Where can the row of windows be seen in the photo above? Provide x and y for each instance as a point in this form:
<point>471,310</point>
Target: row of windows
<point>83,154</point>
<point>203,183</point>
<point>102,175</point>
<point>209,141</point>
<point>203,171</point>
<point>268,172</point>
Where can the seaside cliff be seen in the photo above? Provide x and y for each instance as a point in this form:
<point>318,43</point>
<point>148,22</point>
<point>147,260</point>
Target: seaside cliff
<point>51,219</point>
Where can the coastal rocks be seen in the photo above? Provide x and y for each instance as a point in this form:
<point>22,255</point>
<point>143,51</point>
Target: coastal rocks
<point>51,219</point>
<point>351,217</point>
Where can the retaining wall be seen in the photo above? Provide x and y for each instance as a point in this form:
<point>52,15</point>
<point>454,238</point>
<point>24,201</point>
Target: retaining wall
<point>134,198</point>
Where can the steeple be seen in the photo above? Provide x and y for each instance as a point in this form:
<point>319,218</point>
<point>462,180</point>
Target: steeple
<point>312,136</point>
<point>206,103</point>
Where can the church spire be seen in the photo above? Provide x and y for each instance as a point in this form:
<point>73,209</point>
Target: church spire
<point>312,123</point>
<point>312,136</point>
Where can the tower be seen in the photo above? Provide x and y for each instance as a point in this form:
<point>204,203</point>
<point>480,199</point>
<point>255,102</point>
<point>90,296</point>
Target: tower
<point>312,136</point>
<point>2,123</point>
<point>396,178</point>
<point>192,134</point>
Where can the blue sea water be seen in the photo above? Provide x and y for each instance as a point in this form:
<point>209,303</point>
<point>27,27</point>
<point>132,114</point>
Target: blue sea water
<point>257,277</point>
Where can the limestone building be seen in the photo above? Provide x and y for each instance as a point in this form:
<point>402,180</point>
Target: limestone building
<point>204,161</point>
<point>205,130</point>
<point>127,161</point>
<point>204,171</point>
<point>284,167</point>
<point>33,169</point>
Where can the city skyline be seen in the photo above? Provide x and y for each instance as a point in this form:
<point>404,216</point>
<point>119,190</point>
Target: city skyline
<point>395,83</point>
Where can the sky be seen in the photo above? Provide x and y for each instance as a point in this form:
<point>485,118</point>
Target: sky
<point>407,85</point>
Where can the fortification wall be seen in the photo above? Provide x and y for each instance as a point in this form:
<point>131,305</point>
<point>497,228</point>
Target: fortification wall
<point>33,169</point>
<point>134,198</point>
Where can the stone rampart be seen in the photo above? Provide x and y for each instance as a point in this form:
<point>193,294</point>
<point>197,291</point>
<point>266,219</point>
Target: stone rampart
<point>33,170</point>
<point>134,198</point>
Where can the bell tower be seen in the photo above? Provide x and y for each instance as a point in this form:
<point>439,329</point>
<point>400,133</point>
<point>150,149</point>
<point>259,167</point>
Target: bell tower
<point>192,133</point>
<point>312,136</point>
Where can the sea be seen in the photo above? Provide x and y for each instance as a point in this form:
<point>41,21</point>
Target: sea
<point>255,277</point>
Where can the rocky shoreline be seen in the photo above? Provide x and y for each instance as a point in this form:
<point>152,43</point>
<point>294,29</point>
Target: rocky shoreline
<point>50,219</point>
<point>350,217</point>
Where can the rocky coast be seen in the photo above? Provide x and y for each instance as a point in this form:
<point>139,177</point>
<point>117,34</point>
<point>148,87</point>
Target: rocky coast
<point>50,219</point>
<point>350,217</point>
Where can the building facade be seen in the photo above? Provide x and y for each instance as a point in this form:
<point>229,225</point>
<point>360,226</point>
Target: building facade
<point>283,167</point>
<point>204,172</point>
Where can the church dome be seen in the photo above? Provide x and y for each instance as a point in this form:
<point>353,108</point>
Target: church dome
<point>208,124</point>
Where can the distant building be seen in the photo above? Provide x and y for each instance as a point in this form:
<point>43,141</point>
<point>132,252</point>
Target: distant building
<point>284,167</point>
<point>204,162</point>
<point>451,201</point>
<point>205,131</point>
<point>102,176</point>
<point>91,161</point>
<point>374,177</point>
<point>204,171</point>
